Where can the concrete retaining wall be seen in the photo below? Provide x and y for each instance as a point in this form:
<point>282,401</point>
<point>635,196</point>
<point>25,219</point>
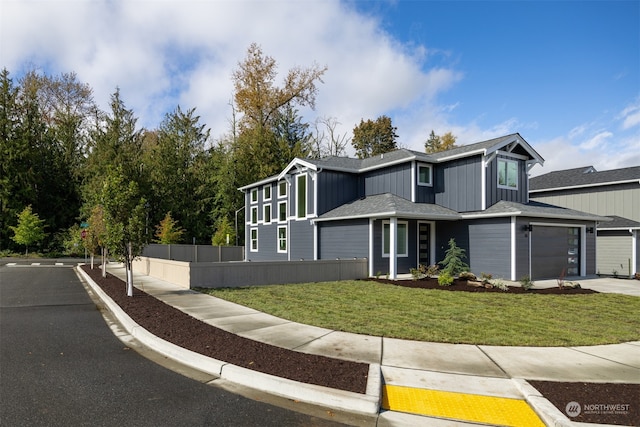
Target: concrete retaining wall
<point>237,274</point>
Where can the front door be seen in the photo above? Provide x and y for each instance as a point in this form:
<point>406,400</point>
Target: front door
<point>424,232</point>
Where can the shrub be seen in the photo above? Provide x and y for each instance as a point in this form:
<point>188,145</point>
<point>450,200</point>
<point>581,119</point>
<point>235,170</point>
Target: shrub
<point>424,272</point>
<point>453,257</point>
<point>526,282</point>
<point>486,278</point>
<point>500,285</point>
<point>445,279</point>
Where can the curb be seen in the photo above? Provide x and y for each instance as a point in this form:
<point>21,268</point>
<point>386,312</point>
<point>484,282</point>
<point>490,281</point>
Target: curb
<point>368,403</point>
<point>549,414</point>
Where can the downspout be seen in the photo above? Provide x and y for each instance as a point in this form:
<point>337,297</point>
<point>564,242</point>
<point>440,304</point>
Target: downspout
<point>634,252</point>
<point>513,248</point>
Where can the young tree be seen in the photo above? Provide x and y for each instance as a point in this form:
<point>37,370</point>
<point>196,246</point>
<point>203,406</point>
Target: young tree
<point>30,229</point>
<point>372,138</point>
<point>124,217</point>
<point>168,232</point>
<point>96,237</point>
<point>224,234</point>
<point>453,263</point>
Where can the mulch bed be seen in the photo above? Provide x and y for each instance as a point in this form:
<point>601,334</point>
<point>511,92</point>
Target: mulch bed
<point>183,330</point>
<point>462,285</point>
<point>179,328</point>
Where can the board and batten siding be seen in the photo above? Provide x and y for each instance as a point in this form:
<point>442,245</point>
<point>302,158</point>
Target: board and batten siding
<point>495,194</point>
<point>457,184</point>
<point>614,253</point>
<point>622,200</point>
<point>394,179</point>
<point>343,239</point>
<point>336,189</point>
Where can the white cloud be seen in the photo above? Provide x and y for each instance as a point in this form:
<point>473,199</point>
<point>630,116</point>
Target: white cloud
<point>631,116</point>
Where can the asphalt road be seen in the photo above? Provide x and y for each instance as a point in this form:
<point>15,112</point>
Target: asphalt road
<point>61,364</point>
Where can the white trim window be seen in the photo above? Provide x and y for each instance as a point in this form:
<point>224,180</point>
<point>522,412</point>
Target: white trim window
<point>425,175</point>
<point>282,211</point>
<point>402,239</point>
<point>282,189</point>
<point>282,239</point>
<point>254,195</point>
<point>254,215</point>
<point>266,213</point>
<point>266,192</point>
<point>508,174</point>
<point>254,240</point>
<point>301,196</point>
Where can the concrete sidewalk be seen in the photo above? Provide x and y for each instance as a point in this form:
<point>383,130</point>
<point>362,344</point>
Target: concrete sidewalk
<point>476,370</point>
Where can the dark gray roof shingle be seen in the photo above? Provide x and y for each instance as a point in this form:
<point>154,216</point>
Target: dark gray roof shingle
<point>534,209</point>
<point>582,177</point>
<point>618,222</point>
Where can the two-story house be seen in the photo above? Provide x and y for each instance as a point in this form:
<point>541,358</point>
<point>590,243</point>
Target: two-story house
<point>400,209</point>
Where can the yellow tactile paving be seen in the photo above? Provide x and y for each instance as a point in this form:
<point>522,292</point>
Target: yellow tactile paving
<point>460,406</point>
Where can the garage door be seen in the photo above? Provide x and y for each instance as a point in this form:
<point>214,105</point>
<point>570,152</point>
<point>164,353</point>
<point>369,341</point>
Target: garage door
<point>554,250</point>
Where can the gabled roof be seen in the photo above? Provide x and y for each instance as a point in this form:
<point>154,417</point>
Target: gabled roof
<point>512,143</point>
<point>619,223</point>
<point>533,209</point>
<point>583,177</point>
<point>388,205</point>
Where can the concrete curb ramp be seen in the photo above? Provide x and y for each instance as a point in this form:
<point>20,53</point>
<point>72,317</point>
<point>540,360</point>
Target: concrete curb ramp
<point>368,403</point>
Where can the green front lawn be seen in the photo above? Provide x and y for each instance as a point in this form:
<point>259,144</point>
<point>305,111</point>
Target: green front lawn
<point>372,308</point>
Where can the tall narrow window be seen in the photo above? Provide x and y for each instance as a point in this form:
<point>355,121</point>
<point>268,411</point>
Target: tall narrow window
<point>266,192</point>
<point>254,195</point>
<point>401,237</point>
<point>254,215</point>
<point>508,174</point>
<point>282,239</point>
<point>282,211</point>
<point>302,196</point>
<point>266,214</point>
<point>254,240</point>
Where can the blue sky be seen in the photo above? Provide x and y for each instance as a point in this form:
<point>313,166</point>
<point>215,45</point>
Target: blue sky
<point>564,74</point>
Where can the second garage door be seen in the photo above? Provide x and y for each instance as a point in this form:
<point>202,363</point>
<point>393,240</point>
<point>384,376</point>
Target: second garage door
<point>554,251</point>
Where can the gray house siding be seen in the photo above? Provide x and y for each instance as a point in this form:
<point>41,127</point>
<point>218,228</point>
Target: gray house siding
<point>487,244</point>
<point>344,239</point>
<point>301,240</point>
<point>335,189</point>
<point>495,194</point>
<point>395,180</point>
<point>458,184</point>
<point>267,244</point>
<point>523,249</point>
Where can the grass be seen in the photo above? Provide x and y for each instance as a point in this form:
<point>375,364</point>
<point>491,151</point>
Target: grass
<point>373,308</point>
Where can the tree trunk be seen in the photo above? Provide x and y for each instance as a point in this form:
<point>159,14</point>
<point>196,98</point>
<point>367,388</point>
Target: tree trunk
<point>128,263</point>
<point>104,262</point>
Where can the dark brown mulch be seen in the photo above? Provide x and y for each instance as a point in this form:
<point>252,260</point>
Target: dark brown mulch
<point>181,329</point>
<point>188,332</point>
<point>617,404</point>
<point>461,285</point>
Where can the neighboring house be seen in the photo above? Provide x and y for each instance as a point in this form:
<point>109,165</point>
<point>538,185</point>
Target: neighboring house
<point>613,193</point>
<point>400,209</point>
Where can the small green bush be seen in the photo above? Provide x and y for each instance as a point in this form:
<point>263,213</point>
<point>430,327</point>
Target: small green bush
<point>500,285</point>
<point>424,272</point>
<point>526,282</point>
<point>445,279</point>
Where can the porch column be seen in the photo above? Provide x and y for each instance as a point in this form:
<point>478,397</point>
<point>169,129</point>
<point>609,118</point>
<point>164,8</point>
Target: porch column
<point>393,248</point>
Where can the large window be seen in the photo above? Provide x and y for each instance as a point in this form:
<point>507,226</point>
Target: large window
<point>401,237</point>
<point>282,239</point>
<point>508,174</point>
<point>301,188</point>
<point>424,175</point>
<point>282,211</point>
<point>254,240</point>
